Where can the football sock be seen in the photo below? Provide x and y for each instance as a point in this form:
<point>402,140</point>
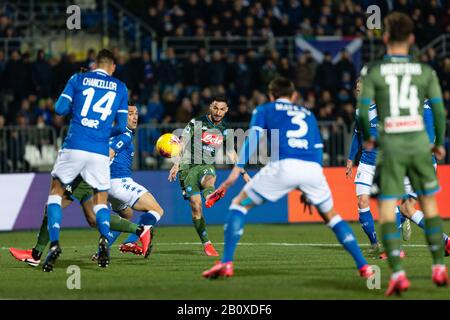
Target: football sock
<point>112,237</point>
<point>207,191</point>
<point>123,225</point>
<point>43,236</point>
<point>149,218</point>
<point>433,233</point>
<point>418,218</point>
<point>234,228</point>
<point>366,220</point>
<point>347,239</point>
<point>102,218</point>
<point>54,216</point>
<point>391,242</point>
<point>398,216</point>
<point>200,227</point>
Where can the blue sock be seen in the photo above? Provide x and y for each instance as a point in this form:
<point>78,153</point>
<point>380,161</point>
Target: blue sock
<point>147,219</point>
<point>234,228</point>
<point>366,220</point>
<point>102,217</point>
<point>112,237</point>
<point>399,217</point>
<point>54,215</point>
<point>348,240</point>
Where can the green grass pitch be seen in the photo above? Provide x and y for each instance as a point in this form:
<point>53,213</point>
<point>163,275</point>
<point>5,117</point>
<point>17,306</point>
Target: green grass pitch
<point>273,262</point>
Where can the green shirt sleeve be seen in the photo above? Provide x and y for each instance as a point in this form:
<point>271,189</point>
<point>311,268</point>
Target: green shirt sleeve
<point>364,101</point>
<point>437,105</point>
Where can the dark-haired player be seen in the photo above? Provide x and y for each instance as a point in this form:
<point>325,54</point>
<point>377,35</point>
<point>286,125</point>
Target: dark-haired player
<point>398,86</point>
<point>196,171</point>
<point>94,100</point>
<point>299,165</point>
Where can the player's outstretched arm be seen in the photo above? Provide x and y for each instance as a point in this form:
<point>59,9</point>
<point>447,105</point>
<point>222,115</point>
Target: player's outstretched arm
<point>437,106</point>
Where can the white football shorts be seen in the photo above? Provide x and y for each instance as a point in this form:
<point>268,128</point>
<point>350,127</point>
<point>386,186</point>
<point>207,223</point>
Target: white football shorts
<point>93,168</point>
<point>364,178</point>
<point>124,193</point>
<point>278,178</point>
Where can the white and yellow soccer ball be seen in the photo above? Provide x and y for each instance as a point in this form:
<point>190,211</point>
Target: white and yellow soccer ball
<point>168,145</point>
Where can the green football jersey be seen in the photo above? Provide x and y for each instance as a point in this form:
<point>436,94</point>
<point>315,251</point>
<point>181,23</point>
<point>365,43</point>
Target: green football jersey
<point>202,139</point>
<point>399,86</point>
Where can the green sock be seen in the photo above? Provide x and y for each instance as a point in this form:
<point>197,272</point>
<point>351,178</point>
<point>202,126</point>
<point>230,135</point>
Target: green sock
<point>391,242</point>
<point>207,191</point>
<point>43,236</point>
<point>118,223</point>
<point>433,233</point>
<point>200,227</point>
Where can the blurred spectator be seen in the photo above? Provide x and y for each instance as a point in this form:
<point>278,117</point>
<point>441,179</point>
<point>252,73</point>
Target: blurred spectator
<point>184,112</point>
<point>217,69</point>
<point>42,75</point>
<point>169,71</point>
<point>243,75</point>
<point>90,60</point>
<point>267,73</point>
<point>326,74</point>
<point>304,73</point>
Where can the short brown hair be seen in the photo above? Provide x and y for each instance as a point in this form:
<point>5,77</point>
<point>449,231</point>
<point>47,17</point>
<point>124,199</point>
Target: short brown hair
<point>281,87</point>
<point>399,26</point>
<point>105,56</point>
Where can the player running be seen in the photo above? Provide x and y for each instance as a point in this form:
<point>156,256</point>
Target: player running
<point>94,100</point>
<point>204,135</point>
<point>125,192</point>
<point>81,192</point>
<point>398,86</point>
<point>299,166</point>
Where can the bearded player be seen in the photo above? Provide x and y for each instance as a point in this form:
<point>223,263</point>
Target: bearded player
<point>299,165</point>
<point>201,138</point>
<point>398,86</point>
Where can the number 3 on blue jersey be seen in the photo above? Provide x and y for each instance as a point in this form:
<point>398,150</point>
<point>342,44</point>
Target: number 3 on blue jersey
<point>297,119</point>
<point>107,98</point>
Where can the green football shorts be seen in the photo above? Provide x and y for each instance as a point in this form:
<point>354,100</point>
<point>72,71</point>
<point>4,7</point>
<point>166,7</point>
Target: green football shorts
<point>190,179</point>
<point>393,167</point>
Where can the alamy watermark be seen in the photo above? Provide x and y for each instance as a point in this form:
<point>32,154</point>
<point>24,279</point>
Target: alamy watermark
<point>73,21</point>
<point>374,281</point>
<point>374,17</point>
<point>74,280</point>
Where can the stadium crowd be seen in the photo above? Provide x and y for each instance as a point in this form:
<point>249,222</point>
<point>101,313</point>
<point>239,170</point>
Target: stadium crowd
<point>174,89</point>
<point>223,18</point>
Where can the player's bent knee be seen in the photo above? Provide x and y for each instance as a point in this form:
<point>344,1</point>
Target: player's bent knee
<point>363,201</point>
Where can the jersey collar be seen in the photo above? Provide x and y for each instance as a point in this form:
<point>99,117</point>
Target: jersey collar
<point>397,57</point>
<point>101,71</point>
<point>283,100</point>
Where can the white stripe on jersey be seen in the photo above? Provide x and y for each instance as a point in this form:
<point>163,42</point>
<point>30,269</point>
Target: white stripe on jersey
<point>66,96</point>
<point>122,111</point>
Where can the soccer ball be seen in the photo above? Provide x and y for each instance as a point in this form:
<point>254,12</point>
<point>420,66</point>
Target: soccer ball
<point>168,145</point>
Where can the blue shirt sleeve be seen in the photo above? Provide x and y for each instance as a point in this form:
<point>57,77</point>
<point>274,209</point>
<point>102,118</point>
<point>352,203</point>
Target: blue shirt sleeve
<point>257,124</point>
<point>356,140</point>
<point>120,142</point>
<point>121,115</point>
<point>64,102</point>
<point>429,122</point>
